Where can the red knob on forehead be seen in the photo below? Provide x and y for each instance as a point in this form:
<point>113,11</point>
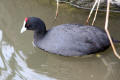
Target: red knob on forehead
<point>26,19</point>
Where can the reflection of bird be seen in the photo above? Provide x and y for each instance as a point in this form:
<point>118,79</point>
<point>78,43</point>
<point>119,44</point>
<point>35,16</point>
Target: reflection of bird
<point>67,39</point>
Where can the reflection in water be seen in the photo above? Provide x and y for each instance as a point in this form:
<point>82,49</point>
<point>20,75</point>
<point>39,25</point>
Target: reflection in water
<point>7,51</point>
<point>13,65</point>
<point>110,69</point>
<point>1,63</point>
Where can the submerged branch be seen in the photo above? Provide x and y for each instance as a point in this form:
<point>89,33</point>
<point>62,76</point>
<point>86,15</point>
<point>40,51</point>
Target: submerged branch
<point>98,4</point>
<point>91,12</point>
<point>106,29</point>
<point>57,9</point>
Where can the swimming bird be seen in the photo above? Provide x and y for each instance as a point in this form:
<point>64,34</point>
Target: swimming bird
<point>67,39</point>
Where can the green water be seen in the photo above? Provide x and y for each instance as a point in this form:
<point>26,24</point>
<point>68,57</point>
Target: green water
<point>19,60</point>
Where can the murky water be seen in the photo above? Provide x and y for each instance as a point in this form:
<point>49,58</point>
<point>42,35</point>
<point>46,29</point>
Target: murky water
<point>19,60</point>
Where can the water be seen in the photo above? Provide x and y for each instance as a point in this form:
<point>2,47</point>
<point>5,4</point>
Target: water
<point>19,60</point>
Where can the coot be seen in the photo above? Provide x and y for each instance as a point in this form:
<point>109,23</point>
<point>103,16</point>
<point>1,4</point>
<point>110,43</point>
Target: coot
<point>67,39</point>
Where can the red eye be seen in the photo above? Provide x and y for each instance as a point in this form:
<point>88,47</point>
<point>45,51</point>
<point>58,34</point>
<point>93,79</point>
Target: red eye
<point>27,25</point>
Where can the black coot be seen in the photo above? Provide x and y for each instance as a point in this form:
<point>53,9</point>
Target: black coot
<point>67,39</point>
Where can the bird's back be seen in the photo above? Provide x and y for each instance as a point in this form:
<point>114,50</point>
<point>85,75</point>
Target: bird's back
<point>74,40</point>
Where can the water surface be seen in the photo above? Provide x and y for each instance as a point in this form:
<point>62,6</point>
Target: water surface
<point>19,60</point>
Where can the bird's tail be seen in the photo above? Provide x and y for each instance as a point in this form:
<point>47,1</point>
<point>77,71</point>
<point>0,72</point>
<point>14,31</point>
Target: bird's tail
<point>116,41</point>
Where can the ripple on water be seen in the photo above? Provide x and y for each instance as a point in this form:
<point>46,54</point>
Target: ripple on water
<point>13,64</point>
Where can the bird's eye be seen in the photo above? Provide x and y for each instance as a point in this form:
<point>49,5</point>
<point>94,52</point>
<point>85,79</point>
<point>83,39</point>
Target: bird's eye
<point>27,25</point>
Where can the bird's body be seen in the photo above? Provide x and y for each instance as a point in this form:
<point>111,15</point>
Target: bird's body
<point>72,40</point>
<point>68,39</point>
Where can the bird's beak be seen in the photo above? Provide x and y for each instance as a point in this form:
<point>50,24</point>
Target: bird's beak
<point>23,27</point>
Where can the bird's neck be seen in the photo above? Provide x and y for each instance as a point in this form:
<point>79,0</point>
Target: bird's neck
<point>38,36</point>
